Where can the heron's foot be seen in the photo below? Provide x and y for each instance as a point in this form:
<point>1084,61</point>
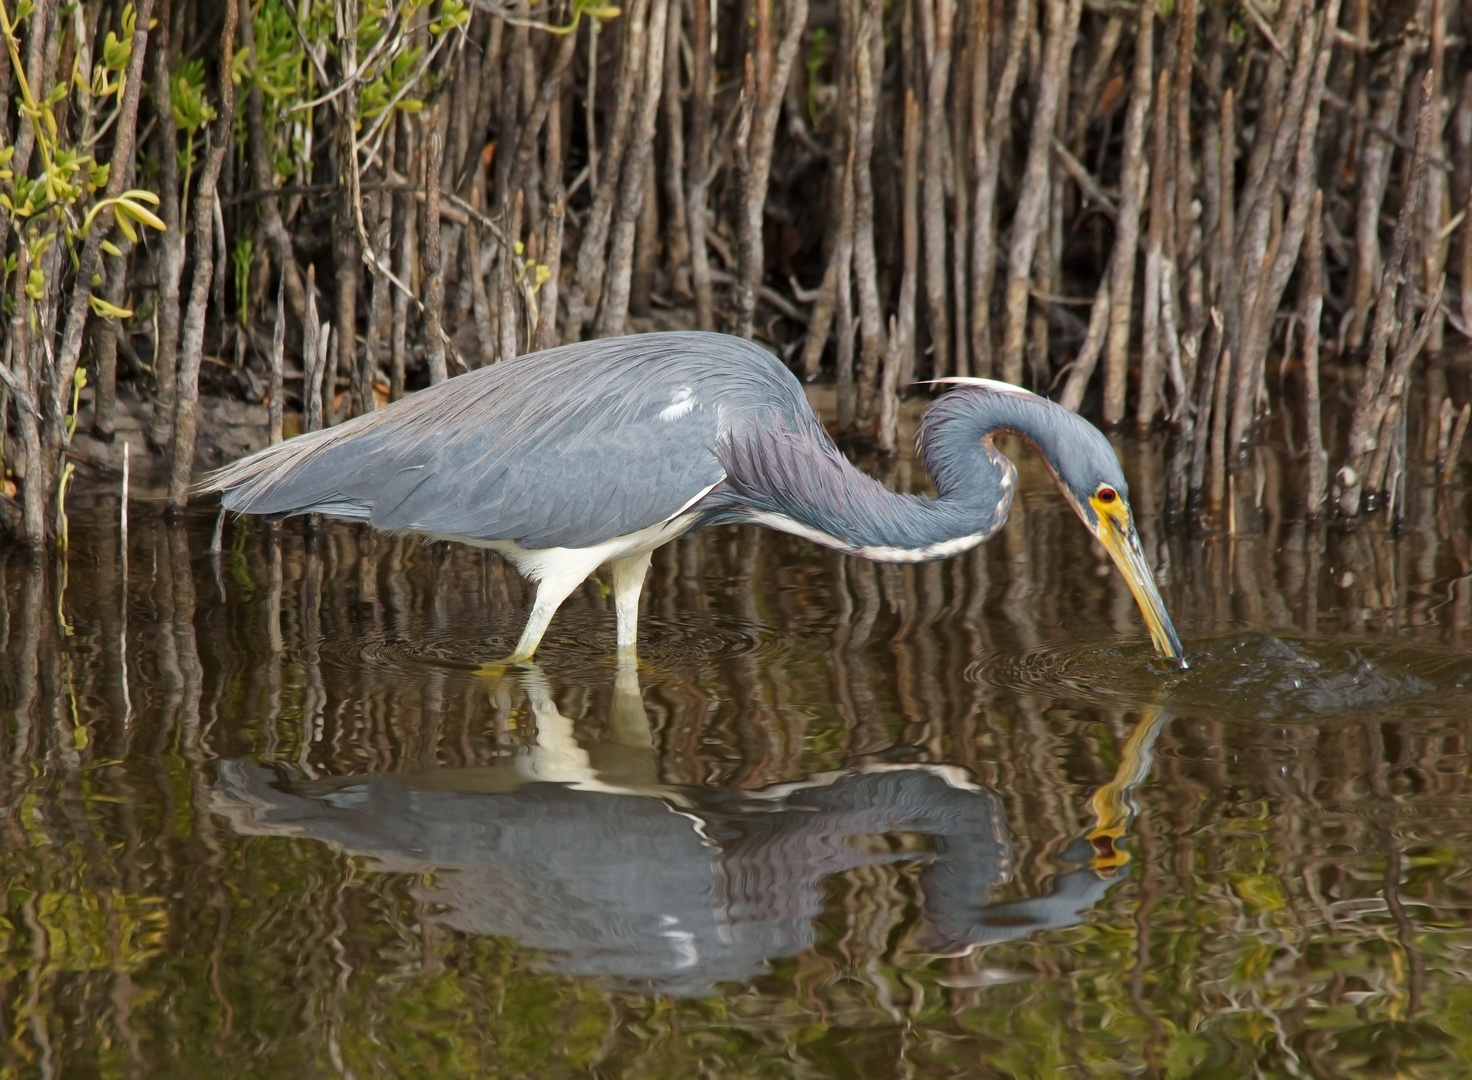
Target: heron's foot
<point>497,670</point>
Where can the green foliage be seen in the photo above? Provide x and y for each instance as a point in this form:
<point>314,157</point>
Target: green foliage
<point>60,199</point>
<point>298,63</point>
<point>192,111</point>
<point>243,256</point>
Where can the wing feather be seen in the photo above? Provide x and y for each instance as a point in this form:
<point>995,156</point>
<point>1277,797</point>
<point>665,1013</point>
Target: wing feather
<point>566,448</point>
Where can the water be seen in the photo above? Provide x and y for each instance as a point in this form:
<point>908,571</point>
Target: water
<point>277,812</point>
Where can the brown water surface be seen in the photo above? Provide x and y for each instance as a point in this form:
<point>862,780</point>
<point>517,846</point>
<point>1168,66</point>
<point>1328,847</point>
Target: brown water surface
<point>276,813</point>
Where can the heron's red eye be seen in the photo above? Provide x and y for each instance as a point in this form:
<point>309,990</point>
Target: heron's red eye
<point>1107,495</point>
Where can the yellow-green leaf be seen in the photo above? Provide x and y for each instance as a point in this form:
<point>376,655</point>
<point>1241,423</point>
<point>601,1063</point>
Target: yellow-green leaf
<point>105,310</point>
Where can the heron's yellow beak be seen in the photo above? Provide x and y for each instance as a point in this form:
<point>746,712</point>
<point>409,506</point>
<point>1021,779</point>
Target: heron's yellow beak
<point>1116,531</point>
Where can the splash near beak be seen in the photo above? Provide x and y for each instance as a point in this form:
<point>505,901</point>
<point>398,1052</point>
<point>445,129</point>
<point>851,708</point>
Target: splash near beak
<point>1116,531</point>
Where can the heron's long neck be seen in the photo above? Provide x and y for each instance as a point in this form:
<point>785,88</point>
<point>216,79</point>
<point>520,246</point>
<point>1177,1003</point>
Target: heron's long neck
<point>800,483</point>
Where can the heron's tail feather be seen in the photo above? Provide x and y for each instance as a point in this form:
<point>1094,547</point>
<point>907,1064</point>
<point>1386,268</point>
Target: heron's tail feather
<point>248,485</point>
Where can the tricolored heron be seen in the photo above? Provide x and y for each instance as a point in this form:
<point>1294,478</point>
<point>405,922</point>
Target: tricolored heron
<point>601,451</point>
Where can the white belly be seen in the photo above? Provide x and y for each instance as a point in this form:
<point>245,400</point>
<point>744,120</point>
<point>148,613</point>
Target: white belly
<point>538,564</point>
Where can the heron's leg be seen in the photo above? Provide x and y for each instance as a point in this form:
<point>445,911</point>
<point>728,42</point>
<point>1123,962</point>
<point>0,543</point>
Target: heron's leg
<point>628,582</point>
<point>552,590</point>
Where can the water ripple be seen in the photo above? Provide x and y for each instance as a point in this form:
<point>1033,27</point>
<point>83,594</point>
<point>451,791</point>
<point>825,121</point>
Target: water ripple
<point>1247,676</point>
<point>574,636</point>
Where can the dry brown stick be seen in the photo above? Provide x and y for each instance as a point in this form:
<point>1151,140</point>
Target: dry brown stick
<point>1218,490</point>
<point>1082,368</point>
<point>677,231</point>
<point>1372,179</point>
<point>1390,135</point>
<point>1266,166</point>
<point>1387,461</point>
<point>1181,416</point>
<point>508,269</point>
<point>1224,185</point>
<point>697,169</point>
<point>899,357</point>
<point>1317,481</point>
<point>1271,286</point>
<point>1171,339</point>
<point>1062,29</point>
<point>347,241</point>
<point>405,243</point>
<point>1411,337</point>
<point>379,303</point>
<point>1151,374</point>
<point>757,170</point>
<point>1255,235</point>
<point>1365,422</point>
<point>987,163</point>
<point>937,32</point>
<point>970,150</point>
<point>868,63</point>
<point>434,278</point>
<point>1450,459</point>
<point>1127,231</point>
<point>1201,422</point>
<point>1086,182</point>
<point>1272,136</point>
<point>1433,244</point>
<point>1181,106</point>
<point>530,128</point>
<point>905,323</point>
<point>312,350</point>
<point>23,398</point>
<point>105,349</point>
<point>33,396</point>
<point>276,388</point>
<point>555,194</point>
<point>1090,90</point>
<point>615,291</point>
<point>584,295</point>
<point>170,246</point>
<point>278,239</point>
<point>191,344</point>
<point>480,300</point>
<point>125,127</point>
<point>957,187</point>
<point>843,253</point>
<point>517,65</point>
<point>1462,186</point>
<point>825,297</point>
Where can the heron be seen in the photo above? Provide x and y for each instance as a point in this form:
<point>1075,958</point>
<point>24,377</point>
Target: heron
<point>601,451</point>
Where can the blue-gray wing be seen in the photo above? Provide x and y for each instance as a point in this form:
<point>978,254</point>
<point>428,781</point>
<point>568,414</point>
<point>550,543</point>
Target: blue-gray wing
<point>566,448</point>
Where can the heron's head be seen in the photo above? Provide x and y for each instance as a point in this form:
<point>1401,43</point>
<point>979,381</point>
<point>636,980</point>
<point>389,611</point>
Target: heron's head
<point>1088,474</point>
<point>1081,461</point>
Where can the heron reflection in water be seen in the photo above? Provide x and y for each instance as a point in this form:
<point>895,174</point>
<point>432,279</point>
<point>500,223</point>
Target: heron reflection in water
<point>601,451</point>
<point>579,853</point>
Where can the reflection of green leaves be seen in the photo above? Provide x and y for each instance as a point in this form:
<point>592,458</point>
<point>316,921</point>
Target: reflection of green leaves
<point>79,937</point>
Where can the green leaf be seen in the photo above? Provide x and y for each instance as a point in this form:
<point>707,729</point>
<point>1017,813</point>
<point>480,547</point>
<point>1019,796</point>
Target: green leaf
<point>108,311</point>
